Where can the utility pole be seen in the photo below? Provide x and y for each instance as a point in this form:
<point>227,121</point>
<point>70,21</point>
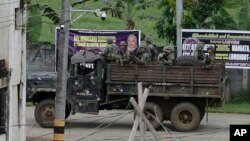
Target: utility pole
<point>60,100</point>
<point>179,13</point>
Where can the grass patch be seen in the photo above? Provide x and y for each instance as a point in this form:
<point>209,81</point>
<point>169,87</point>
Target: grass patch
<point>238,108</point>
<point>239,103</point>
<point>241,97</point>
<point>29,104</point>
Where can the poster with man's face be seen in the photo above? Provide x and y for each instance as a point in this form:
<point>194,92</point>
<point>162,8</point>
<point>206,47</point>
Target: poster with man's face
<point>84,38</point>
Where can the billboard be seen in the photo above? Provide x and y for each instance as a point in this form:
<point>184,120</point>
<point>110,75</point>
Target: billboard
<point>80,39</point>
<point>231,46</point>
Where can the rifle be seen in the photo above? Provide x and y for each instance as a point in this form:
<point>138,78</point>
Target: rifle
<point>165,55</point>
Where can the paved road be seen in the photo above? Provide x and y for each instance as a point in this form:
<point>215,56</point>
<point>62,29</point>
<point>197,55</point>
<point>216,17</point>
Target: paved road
<point>85,128</point>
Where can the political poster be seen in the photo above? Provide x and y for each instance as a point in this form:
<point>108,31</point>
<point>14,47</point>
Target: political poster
<point>80,39</point>
<point>230,46</point>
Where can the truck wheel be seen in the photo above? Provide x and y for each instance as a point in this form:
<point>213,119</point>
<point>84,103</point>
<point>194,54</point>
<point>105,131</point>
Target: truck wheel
<point>187,61</point>
<point>185,117</point>
<point>45,113</point>
<point>202,112</point>
<point>149,110</point>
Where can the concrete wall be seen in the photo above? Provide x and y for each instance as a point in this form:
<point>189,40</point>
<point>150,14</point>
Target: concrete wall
<point>13,50</point>
<point>237,79</point>
<point>40,57</point>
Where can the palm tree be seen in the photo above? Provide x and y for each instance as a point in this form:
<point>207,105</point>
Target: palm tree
<point>126,10</point>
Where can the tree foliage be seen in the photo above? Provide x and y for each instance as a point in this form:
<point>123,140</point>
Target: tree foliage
<point>35,21</point>
<point>197,14</point>
<point>126,10</point>
<point>34,24</point>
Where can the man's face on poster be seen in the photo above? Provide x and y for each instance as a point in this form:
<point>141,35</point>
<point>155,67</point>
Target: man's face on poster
<point>132,42</point>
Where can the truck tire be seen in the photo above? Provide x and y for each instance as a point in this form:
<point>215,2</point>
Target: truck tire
<point>188,61</point>
<point>202,112</point>
<point>185,117</point>
<point>45,113</point>
<point>149,110</point>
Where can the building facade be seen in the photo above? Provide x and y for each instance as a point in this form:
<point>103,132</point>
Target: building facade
<point>13,70</point>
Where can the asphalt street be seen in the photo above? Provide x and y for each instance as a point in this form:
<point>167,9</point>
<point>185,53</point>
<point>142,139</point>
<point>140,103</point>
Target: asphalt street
<point>116,126</point>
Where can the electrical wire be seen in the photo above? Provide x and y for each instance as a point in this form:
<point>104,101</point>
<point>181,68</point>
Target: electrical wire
<point>174,138</point>
<point>37,137</point>
<point>98,130</point>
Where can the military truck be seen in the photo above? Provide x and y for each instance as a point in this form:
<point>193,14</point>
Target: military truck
<point>178,93</point>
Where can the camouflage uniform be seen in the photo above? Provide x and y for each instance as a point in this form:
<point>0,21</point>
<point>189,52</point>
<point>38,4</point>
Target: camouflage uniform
<point>199,51</point>
<point>150,46</point>
<point>110,52</point>
<point>123,55</point>
<point>143,58</point>
<point>210,59</point>
<point>167,58</point>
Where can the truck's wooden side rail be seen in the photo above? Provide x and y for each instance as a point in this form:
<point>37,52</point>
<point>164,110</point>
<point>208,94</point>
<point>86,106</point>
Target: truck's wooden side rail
<point>164,74</point>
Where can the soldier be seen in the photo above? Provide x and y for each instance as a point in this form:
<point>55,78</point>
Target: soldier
<point>167,56</point>
<point>110,52</point>
<point>123,55</point>
<point>143,58</point>
<point>199,51</point>
<point>153,51</point>
<point>210,58</point>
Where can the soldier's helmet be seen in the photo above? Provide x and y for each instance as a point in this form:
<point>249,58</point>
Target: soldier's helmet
<point>110,40</point>
<point>148,39</point>
<point>210,47</point>
<point>143,45</point>
<point>200,46</point>
<point>123,43</point>
<point>168,48</point>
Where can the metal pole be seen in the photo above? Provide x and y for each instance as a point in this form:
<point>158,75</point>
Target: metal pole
<point>179,13</point>
<point>60,100</point>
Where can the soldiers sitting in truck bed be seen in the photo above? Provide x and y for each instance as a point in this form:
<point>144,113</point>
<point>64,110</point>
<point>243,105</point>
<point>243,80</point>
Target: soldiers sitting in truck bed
<point>110,52</point>
<point>152,49</point>
<point>123,55</point>
<point>167,56</point>
<point>143,57</point>
<point>209,60</point>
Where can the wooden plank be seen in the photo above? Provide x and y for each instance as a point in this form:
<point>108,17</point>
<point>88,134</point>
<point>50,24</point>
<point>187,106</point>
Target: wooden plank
<point>149,72</point>
<point>122,74</point>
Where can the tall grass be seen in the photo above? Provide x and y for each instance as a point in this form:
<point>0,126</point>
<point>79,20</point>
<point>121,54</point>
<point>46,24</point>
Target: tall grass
<point>241,97</point>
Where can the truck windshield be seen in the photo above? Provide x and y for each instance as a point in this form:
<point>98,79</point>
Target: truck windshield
<point>85,69</point>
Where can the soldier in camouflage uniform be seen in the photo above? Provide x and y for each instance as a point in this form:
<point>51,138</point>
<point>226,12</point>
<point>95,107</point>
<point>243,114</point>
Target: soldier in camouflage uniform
<point>210,58</point>
<point>110,52</point>
<point>167,56</point>
<point>143,58</point>
<point>153,51</point>
<point>123,55</point>
<point>199,51</point>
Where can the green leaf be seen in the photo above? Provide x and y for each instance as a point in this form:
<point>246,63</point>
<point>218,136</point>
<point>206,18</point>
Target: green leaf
<point>243,17</point>
<point>34,24</point>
